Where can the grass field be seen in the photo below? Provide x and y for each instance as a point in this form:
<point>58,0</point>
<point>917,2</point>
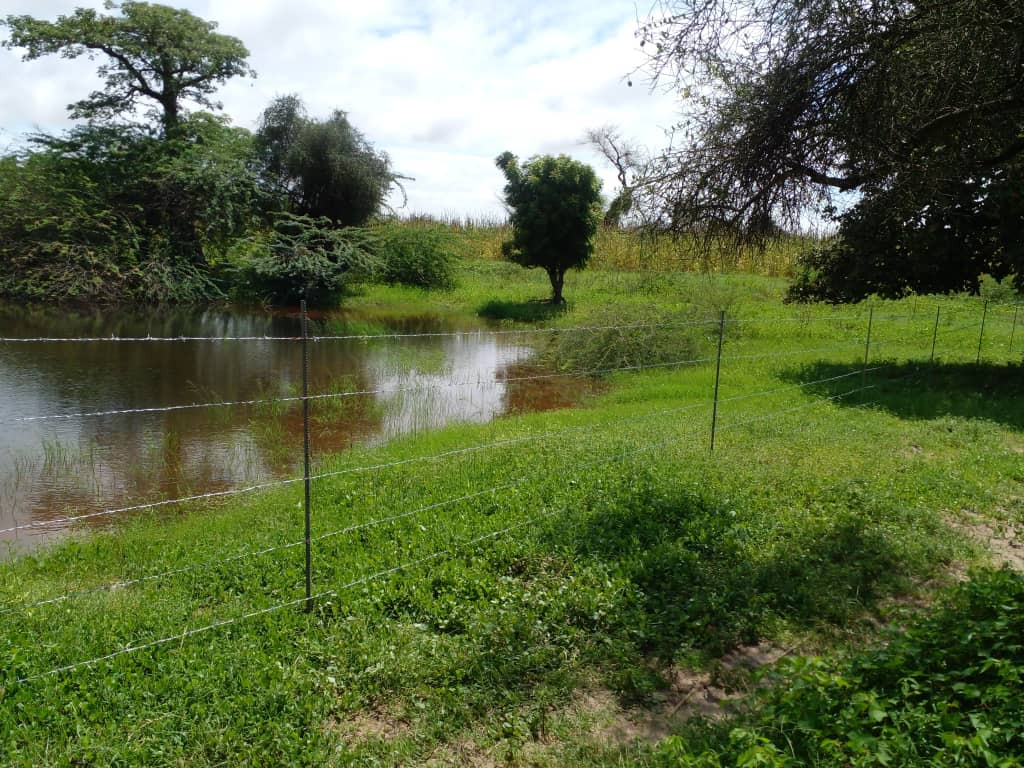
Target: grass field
<point>557,588</point>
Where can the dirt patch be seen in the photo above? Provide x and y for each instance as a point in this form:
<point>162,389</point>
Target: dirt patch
<point>690,693</point>
<point>1003,541</point>
<point>378,724</point>
<point>463,754</point>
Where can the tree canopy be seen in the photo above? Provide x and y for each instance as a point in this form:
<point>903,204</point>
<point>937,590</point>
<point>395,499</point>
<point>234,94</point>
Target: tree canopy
<point>163,56</point>
<point>322,168</point>
<point>556,207</point>
<point>902,122</point>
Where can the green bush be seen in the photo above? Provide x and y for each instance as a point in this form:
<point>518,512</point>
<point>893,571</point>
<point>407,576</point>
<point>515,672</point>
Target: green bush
<point>417,254</point>
<point>635,339</point>
<point>308,258</point>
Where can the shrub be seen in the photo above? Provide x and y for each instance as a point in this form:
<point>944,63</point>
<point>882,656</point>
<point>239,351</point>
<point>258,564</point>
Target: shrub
<point>417,254</point>
<point>311,259</point>
<point>644,337</point>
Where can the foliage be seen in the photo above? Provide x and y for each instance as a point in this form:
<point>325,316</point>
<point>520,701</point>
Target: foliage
<point>164,55</point>
<point>944,690</point>
<point>419,254</point>
<point>322,168</point>
<point>913,108</point>
<point>111,213</point>
<point>311,259</point>
<point>623,339</point>
<point>556,207</point>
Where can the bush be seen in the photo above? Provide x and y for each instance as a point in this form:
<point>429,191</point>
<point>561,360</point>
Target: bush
<point>417,254</point>
<point>309,258</point>
<point>647,337</point>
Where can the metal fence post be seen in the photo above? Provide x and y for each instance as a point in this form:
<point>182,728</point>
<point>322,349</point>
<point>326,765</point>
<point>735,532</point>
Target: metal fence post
<point>718,376</point>
<point>1013,328</point>
<point>867,352</point>
<point>935,338</point>
<point>981,336</point>
<point>305,446</point>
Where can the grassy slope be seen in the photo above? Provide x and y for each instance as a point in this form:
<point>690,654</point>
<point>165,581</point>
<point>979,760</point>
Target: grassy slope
<point>629,548</point>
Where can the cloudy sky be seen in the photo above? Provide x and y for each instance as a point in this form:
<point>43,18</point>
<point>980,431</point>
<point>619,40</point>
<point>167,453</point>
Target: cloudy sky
<point>443,86</point>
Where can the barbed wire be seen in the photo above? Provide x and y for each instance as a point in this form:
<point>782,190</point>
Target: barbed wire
<point>263,611</point>
<point>419,387</point>
<point>188,633</point>
<point>123,583</point>
<point>357,336</point>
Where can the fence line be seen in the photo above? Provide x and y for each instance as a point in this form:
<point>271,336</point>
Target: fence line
<point>120,584</point>
<point>775,415</point>
<point>417,388</point>
<point>188,633</point>
<point>68,520</point>
<point>413,335</point>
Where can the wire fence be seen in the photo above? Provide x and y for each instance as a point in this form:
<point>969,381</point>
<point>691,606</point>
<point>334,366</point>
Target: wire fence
<point>916,336</point>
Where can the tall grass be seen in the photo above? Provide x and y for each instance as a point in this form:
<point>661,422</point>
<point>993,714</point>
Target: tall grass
<point>633,249</point>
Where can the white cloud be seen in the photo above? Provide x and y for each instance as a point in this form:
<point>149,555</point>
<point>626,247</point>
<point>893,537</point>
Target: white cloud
<point>443,86</point>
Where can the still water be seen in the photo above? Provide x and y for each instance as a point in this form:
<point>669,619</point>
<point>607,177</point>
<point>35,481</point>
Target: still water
<point>80,460</point>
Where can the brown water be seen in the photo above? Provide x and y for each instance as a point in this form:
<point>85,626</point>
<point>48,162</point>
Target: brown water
<point>51,469</point>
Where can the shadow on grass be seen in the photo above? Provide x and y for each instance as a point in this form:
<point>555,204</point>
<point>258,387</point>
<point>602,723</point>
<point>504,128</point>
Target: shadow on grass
<point>917,391</point>
<point>699,584</point>
<point>522,311</point>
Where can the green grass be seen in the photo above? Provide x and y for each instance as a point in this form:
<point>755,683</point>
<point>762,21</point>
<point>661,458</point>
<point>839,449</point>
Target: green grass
<point>627,550</point>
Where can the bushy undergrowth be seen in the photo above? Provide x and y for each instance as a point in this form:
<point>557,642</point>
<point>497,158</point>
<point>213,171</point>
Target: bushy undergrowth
<point>308,258</point>
<point>943,691</point>
<point>418,254</point>
<point>614,339</point>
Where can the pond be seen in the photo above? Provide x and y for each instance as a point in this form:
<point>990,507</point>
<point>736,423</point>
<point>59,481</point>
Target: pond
<point>67,449</point>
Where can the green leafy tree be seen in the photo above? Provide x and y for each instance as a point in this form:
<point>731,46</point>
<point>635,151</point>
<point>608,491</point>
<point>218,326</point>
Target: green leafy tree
<point>322,168</point>
<point>556,208</point>
<point>902,122</point>
<point>163,56</point>
<point>108,213</point>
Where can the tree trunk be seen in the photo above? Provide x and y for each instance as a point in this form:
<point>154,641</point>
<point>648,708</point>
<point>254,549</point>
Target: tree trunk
<point>557,277</point>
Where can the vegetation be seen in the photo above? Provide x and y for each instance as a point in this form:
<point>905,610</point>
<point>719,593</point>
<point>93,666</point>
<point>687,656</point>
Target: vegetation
<point>535,623</point>
<point>157,211</point>
<point>162,55</point>
<point>305,258</point>
<point>321,168</point>
<point>556,207</point>
<point>110,213</point>
<point>914,108</point>
<point>942,691</point>
<point>418,253</point>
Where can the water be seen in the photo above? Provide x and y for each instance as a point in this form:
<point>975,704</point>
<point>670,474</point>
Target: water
<point>52,469</point>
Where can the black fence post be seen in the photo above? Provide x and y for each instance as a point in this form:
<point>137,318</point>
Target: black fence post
<point>305,446</point>
<point>718,376</point>
<point>935,338</point>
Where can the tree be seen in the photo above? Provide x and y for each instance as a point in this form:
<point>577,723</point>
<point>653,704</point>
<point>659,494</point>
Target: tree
<point>108,213</point>
<point>629,162</point>
<point>322,168</point>
<point>901,122</point>
<point>556,207</point>
<point>162,55</point>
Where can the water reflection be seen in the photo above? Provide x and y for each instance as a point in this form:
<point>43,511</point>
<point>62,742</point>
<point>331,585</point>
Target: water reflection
<point>50,469</point>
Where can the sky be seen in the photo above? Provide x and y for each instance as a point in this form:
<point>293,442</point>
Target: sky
<point>442,86</point>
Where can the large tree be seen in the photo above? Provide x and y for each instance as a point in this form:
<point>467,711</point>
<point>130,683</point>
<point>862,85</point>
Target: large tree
<point>555,204</point>
<point>900,120</point>
<point>163,56</point>
<point>322,168</point>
